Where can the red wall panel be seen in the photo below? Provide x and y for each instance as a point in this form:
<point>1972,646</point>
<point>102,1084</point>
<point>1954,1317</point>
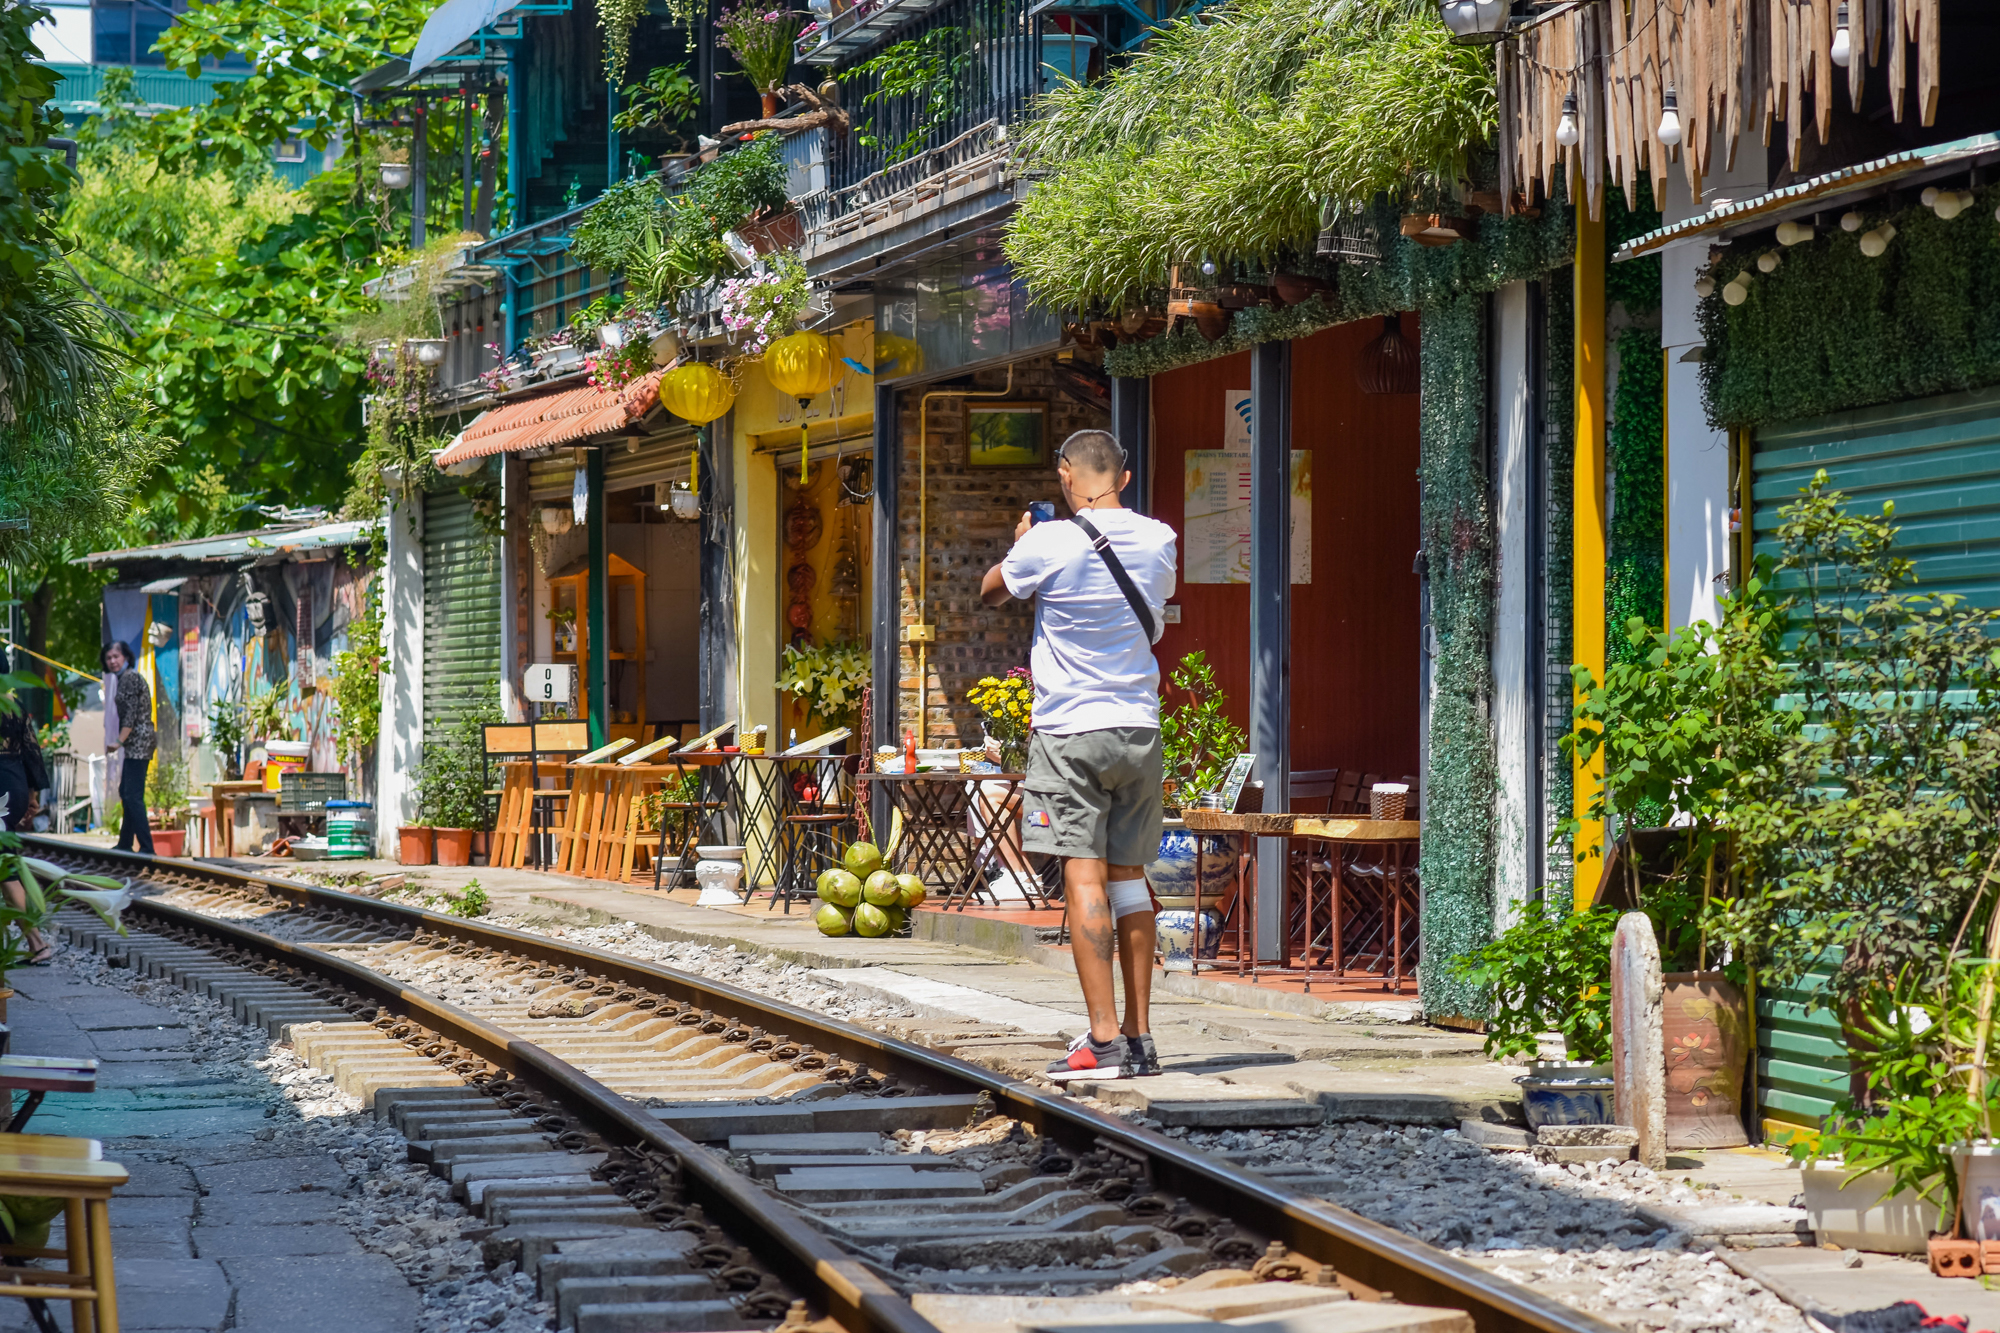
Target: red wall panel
<point>1355,644</point>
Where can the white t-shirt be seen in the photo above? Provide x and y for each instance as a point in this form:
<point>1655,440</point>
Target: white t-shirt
<point>1093,665</point>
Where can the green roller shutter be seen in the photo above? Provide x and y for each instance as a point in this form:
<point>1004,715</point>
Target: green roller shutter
<point>1938,459</point>
<point>461,612</point>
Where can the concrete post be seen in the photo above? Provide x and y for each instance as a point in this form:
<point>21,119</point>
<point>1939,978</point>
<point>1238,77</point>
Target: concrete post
<point>1271,614</point>
<point>400,747</point>
<point>1638,1036</point>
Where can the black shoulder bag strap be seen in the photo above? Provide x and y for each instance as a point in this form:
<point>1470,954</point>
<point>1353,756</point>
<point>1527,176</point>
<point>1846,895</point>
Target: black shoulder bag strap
<point>1118,575</point>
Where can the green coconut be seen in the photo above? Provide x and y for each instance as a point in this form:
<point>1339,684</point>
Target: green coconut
<point>870,920</point>
<point>862,859</point>
<point>825,881</point>
<point>898,918</point>
<point>880,888</point>
<point>842,889</point>
<point>833,920</point>
<point>909,890</point>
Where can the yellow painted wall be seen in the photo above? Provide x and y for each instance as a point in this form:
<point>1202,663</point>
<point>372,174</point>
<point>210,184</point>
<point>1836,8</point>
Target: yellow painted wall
<point>1588,530</point>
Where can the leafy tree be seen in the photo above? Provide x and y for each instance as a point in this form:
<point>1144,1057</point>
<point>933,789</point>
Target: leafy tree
<point>1868,829</point>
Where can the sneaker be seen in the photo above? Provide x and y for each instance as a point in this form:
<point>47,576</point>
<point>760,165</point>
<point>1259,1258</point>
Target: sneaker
<point>1089,1059</point>
<point>1142,1059</point>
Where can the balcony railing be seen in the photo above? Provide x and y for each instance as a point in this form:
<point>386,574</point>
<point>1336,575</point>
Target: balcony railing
<point>987,59</point>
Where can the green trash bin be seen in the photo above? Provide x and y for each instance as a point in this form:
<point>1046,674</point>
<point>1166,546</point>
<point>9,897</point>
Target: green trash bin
<point>350,830</point>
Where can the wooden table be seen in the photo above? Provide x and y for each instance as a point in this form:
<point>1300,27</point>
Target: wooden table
<point>937,846</point>
<point>224,795</point>
<point>1359,852</point>
<point>40,1075</point>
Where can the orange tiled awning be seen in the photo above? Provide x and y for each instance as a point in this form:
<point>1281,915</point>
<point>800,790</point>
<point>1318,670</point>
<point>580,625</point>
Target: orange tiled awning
<point>555,419</point>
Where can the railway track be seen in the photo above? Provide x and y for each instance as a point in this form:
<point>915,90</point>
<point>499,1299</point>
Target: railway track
<point>667,1151</point>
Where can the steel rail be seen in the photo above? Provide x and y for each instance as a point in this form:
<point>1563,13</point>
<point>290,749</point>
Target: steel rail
<point>1371,1258</point>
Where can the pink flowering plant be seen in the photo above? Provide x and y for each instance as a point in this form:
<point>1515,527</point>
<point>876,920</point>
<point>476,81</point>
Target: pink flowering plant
<point>759,309</point>
<point>760,35</point>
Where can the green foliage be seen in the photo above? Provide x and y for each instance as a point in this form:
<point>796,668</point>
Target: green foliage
<point>618,18</point>
<point>760,310</point>
<point>472,901</point>
<point>827,678</point>
<point>1635,575</point>
<point>1228,134</point>
<point>305,58</point>
<point>760,35</point>
<point>1866,828</point>
<point>1409,277</point>
<point>1633,283</point>
<point>357,676</point>
<point>1832,329</point>
<point>1198,741</point>
<point>168,782</point>
<point>1458,854</point>
<point>451,792</point>
<point>1909,1039</point>
<point>227,730</point>
<point>1548,972</point>
<point>667,99</point>
<point>668,244</point>
<point>928,74</point>
<point>33,179</point>
<point>264,715</point>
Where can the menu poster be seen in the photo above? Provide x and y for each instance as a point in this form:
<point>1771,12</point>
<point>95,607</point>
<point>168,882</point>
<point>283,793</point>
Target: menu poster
<point>1215,535</point>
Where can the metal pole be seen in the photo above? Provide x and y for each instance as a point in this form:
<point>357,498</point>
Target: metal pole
<point>1131,412</point>
<point>598,618</point>
<point>884,645</point>
<point>465,136</point>
<point>611,172</point>
<point>517,165</point>
<point>420,161</point>
<point>1271,613</point>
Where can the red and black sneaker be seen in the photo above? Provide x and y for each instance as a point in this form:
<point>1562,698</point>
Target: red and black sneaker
<point>1089,1058</point>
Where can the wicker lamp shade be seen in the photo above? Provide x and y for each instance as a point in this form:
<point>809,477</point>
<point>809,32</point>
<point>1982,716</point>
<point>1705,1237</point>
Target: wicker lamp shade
<point>1389,364</point>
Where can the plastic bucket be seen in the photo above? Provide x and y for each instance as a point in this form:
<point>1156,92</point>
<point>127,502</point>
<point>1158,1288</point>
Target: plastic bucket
<point>282,757</point>
<point>350,830</point>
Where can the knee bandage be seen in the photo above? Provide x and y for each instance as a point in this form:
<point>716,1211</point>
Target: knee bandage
<point>1128,896</point>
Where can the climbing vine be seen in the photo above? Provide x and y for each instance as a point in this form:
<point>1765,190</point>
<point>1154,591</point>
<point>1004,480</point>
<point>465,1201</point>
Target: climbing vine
<point>1635,561</point>
<point>1832,329</point>
<point>1458,552</point>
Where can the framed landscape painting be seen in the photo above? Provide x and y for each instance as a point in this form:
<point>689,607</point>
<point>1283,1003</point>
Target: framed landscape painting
<point>1007,435</point>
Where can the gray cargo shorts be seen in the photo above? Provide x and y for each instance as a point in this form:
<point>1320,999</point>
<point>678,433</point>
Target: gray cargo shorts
<point>1094,794</point>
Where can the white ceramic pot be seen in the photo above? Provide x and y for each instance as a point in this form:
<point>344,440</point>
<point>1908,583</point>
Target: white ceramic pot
<point>1184,936</point>
<point>1978,1166</point>
<point>1867,1213</point>
<point>719,874</point>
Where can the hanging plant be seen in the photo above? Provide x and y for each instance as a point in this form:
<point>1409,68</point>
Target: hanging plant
<point>758,310</point>
<point>618,18</point>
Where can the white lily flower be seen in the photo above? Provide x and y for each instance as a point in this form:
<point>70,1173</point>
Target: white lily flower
<point>47,871</point>
<point>107,903</point>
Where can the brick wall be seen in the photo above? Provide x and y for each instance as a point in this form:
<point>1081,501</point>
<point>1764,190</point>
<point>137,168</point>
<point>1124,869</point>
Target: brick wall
<point>971,524</point>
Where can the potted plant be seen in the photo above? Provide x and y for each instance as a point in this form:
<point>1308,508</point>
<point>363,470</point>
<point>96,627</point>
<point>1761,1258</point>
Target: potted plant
<point>1006,707</point>
<point>760,37</point>
<point>226,734</point>
<point>1198,743</point>
<point>562,628</point>
<point>167,805</point>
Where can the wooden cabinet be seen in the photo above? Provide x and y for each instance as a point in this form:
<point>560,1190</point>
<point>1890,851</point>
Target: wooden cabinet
<point>625,633</point>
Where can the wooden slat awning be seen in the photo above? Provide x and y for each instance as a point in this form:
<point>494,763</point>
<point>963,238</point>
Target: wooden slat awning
<point>1740,69</point>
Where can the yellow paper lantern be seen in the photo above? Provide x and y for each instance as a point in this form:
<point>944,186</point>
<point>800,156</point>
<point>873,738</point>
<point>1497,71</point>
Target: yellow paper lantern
<point>802,366</point>
<point>896,356</point>
<point>698,393</point>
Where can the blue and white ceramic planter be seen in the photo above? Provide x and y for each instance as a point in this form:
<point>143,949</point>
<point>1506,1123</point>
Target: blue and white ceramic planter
<point>1183,937</point>
<point>1566,1094</point>
<point>1172,876</point>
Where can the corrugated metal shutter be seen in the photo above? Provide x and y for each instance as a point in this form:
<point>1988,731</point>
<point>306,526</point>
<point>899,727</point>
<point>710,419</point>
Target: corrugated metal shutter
<point>461,612</point>
<point>1801,1063</point>
<point>1938,459</point>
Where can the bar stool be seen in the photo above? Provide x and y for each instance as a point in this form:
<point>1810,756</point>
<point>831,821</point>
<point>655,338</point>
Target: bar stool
<point>47,1166</point>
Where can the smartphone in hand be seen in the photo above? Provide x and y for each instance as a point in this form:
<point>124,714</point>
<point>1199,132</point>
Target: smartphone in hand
<point>1041,511</point>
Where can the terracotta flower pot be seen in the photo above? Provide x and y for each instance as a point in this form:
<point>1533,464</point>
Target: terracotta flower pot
<point>454,846</point>
<point>6,994</point>
<point>413,844</point>
<point>772,104</point>
<point>1707,1030</point>
<point>169,842</point>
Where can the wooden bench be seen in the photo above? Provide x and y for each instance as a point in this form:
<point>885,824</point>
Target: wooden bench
<point>46,1166</point>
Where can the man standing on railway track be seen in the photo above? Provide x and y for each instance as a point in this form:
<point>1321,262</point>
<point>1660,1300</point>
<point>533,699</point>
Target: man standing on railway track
<point>1101,582</point>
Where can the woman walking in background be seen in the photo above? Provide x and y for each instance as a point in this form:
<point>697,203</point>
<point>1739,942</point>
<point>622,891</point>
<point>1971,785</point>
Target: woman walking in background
<point>126,690</point>
<point>23,775</point>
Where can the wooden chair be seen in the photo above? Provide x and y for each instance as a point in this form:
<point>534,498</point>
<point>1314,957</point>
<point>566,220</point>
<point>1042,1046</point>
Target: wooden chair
<point>51,1167</point>
<point>513,744</point>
